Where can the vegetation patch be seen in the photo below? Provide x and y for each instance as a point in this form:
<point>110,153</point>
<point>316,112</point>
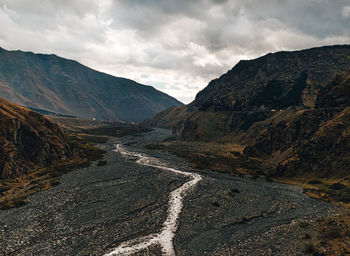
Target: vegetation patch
<point>101,163</point>
<point>333,233</point>
<point>118,130</point>
<point>220,157</point>
<point>329,236</point>
<point>314,182</point>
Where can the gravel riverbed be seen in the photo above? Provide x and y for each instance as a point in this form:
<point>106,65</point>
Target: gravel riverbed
<point>95,209</point>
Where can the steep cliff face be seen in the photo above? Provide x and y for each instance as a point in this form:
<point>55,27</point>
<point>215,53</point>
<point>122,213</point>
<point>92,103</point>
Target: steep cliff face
<point>310,141</point>
<point>255,90</point>
<point>65,86</point>
<point>29,141</point>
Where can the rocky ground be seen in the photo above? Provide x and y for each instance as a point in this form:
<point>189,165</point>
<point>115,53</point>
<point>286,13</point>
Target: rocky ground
<point>96,208</point>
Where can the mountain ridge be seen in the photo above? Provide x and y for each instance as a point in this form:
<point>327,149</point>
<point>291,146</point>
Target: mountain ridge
<point>275,67</point>
<point>275,121</point>
<point>254,90</point>
<point>46,81</point>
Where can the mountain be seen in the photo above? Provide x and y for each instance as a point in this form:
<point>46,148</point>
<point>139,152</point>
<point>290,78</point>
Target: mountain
<point>316,142</point>
<point>254,91</point>
<point>59,85</point>
<point>168,118</point>
<point>29,141</point>
<point>275,81</point>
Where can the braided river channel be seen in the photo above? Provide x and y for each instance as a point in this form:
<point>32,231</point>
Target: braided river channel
<point>149,202</point>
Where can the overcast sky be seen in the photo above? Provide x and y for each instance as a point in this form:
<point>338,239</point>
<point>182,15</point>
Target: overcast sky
<point>177,46</point>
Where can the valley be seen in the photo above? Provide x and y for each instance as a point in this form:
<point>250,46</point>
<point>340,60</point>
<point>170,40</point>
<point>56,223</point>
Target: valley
<point>97,208</point>
<point>257,164</point>
<point>175,128</point>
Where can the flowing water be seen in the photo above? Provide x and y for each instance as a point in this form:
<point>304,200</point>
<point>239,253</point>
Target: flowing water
<point>166,236</point>
<point>146,202</point>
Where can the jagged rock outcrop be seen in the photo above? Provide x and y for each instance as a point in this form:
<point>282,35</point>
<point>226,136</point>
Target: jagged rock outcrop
<point>29,141</point>
<point>52,83</point>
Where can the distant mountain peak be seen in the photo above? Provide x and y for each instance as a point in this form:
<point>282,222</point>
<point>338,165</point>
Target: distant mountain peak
<point>67,87</point>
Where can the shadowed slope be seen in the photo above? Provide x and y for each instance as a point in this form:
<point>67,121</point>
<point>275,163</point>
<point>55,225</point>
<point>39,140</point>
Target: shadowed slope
<point>311,141</point>
<point>29,141</point>
<point>254,90</point>
<point>65,86</point>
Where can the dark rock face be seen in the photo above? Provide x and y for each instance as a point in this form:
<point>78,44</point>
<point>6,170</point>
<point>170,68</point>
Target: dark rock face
<point>313,141</point>
<point>285,133</point>
<point>254,90</point>
<point>276,80</point>
<point>336,94</point>
<point>217,125</point>
<point>64,86</point>
<point>29,141</point>
<point>290,109</point>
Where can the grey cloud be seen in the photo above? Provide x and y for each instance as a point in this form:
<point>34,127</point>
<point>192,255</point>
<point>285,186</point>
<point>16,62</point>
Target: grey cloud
<point>320,18</point>
<point>346,11</point>
<point>219,1</point>
<point>223,29</point>
<point>179,45</point>
<point>49,8</point>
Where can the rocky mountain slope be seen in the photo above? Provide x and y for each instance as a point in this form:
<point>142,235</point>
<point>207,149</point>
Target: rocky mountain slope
<point>291,110</point>
<point>254,91</point>
<point>168,118</point>
<point>316,142</point>
<point>65,86</point>
<point>284,117</point>
<point>29,141</point>
<point>275,81</point>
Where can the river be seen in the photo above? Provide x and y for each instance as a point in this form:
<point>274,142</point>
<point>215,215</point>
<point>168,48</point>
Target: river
<point>165,237</point>
<point>147,202</point>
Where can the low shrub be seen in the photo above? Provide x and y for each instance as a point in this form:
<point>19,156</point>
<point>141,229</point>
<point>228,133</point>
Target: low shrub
<point>337,186</point>
<point>102,163</point>
<point>314,182</point>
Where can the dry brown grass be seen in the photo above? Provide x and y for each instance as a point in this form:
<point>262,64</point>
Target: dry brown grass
<point>333,232</point>
<point>14,192</point>
<point>220,157</point>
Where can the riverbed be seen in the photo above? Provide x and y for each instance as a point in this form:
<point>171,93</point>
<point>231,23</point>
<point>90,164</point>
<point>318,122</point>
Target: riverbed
<point>95,210</point>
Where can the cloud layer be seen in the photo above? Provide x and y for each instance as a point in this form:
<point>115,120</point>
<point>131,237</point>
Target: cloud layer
<point>176,46</point>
